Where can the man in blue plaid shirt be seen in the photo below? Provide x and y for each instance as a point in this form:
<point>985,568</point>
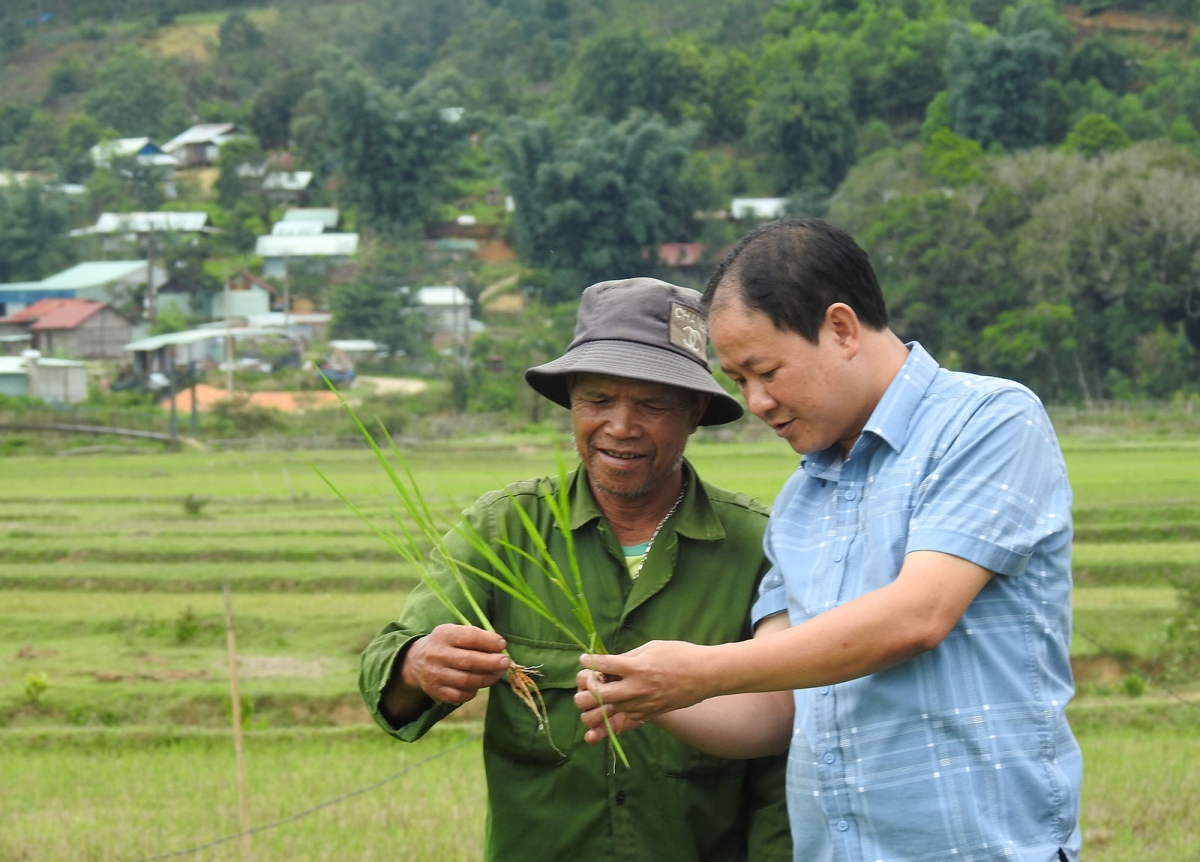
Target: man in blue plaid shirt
<point>919,595</point>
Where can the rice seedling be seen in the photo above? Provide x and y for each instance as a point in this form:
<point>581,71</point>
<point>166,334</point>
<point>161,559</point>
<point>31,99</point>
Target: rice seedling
<point>506,566</point>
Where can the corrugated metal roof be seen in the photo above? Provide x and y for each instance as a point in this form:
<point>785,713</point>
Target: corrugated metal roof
<point>357,345</point>
<point>20,285</point>
<point>145,149</point>
<point>289,181</point>
<point>20,364</point>
<point>31,313</point>
<point>191,336</point>
<point>297,228</point>
<point>148,221</point>
<point>442,296</point>
<point>321,245</point>
<point>328,216</point>
<point>757,207</point>
<point>69,314</point>
<point>276,319</point>
<point>94,274</point>
<point>202,134</point>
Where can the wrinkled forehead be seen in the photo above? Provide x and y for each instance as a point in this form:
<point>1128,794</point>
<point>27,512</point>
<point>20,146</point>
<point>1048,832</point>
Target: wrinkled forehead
<point>586,382</point>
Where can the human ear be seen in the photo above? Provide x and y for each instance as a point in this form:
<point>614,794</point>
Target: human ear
<point>843,326</point>
<point>700,405</point>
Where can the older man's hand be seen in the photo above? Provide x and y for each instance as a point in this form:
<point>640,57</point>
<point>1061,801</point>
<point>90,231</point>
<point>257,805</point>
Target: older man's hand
<point>657,677</point>
<point>453,662</point>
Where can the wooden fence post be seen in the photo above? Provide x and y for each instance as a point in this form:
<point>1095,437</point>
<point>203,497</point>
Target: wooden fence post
<point>235,701</point>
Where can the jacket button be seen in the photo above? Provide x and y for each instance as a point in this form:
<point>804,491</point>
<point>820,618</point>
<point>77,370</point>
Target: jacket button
<point>620,797</point>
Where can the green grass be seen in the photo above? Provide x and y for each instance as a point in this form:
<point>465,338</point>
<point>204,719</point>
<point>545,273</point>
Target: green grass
<point>111,795</point>
<point>1120,620</point>
<point>119,797</point>
<point>111,589</point>
<point>1141,793</point>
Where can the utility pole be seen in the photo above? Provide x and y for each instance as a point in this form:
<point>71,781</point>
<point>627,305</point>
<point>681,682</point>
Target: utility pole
<point>228,340</point>
<point>150,312</point>
<point>287,296</point>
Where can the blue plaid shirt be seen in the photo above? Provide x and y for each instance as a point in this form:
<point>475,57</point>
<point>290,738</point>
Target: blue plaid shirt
<point>963,752</point>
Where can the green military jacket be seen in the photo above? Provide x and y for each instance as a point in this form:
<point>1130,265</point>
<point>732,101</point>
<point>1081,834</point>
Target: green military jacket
<point>674,802</point>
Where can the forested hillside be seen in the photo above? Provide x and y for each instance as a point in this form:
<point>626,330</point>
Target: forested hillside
<point>1025,176</point>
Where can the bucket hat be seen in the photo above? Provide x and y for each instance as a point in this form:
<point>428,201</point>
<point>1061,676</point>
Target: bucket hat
<point>643,329</point>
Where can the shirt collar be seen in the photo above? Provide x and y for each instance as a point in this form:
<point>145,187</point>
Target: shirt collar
<point>695,518</point>
<point>891,417</point>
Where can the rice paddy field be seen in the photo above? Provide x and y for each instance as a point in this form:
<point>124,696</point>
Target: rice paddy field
<point>114,705</point>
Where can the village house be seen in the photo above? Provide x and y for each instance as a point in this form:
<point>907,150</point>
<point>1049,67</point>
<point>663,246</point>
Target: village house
<point>200,145</point>
<point>333,248</point>
<point>77,328</point>
<point>248,295</point>
<point>56,381</point>
<point>109,281</point>
<point>758,209</point>
<point>287,186</point>
<point>449,312</point>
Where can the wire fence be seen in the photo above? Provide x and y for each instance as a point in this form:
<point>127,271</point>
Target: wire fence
<point>299,815</point>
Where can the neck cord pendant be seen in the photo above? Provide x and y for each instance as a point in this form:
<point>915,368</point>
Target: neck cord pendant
<point>650,544</point>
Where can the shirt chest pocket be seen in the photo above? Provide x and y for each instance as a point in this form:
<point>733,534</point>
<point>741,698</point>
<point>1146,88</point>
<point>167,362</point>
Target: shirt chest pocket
<point>512,728</point>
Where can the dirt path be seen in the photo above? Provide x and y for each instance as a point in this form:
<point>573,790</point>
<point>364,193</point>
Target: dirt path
<point>392,385</point>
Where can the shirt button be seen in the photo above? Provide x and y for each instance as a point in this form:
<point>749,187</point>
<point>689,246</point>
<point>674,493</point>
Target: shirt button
<point>850,495</point>
<point>837,558</point>
<point>620,797</point>
<point>825,690</point>
<point>830,757</point>
<point>842,825</point>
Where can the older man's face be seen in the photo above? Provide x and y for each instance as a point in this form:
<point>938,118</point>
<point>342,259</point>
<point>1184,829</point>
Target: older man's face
<point>630,433</point>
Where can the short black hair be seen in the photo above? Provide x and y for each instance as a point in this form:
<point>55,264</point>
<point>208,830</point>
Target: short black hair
<point>792,270</point>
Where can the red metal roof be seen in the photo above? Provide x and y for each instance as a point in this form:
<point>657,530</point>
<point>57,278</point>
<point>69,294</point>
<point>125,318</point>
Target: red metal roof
<point>55,314</point>
<point>30,313</point>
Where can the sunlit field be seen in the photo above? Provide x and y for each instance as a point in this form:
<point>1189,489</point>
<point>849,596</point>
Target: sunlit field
<point>114,701</point>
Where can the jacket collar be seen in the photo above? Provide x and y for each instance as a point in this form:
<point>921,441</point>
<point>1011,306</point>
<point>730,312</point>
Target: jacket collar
<point>695,519</point>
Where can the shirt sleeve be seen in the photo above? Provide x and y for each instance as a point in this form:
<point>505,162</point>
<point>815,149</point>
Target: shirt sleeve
<point>422,613</point>
<point>772,597</point>
<point>999,489</point>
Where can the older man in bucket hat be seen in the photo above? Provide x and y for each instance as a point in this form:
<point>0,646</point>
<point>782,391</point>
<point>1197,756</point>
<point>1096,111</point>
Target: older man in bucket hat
<point>663,555</point>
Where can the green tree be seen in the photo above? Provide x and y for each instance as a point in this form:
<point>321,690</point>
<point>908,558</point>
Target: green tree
<point>1096,134</point>
<point>805,131</point>
<point>69,76</point>
<point>1118,239</point>
<point>32,224</point>
<point>1036,346</point>
<point>78,135</point>
<point>13,120</point>
<point>496,380</point>
<point>1099,58</point>
<point>242,167</point>
<point>995,84</point>
<point>618,73</point>
<point>591,201</point>
<point>397,158</point>
<point>953,160</point>
<point>382,312</point>
<point>274,105</point>
<point>38,145</point>
<point>237,34</point>
<point>136,95</point>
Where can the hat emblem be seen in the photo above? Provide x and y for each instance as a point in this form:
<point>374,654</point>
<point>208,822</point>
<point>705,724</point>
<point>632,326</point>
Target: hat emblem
<point>689,331</point>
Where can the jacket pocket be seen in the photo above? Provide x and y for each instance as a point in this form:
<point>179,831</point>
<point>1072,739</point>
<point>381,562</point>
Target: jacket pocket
<point>679,760</point>
<point>512,729</point>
